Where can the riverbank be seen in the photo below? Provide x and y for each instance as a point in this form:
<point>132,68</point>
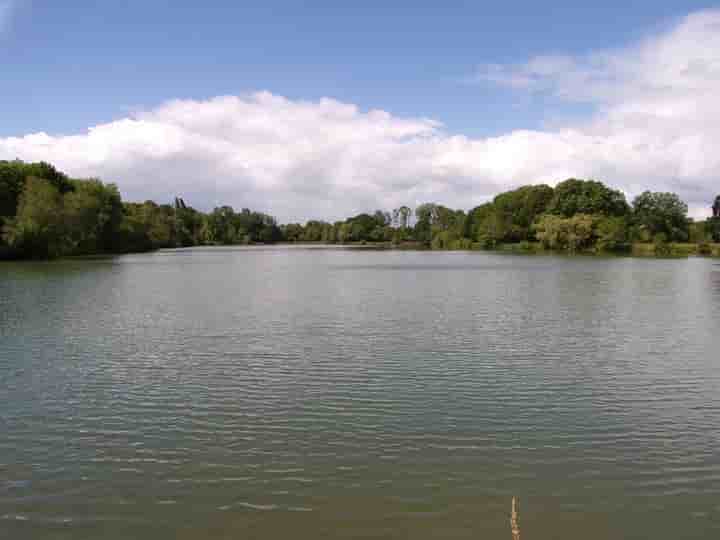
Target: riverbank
<point>45,214</point>
<point>644,250</point>
<point>639,249</point>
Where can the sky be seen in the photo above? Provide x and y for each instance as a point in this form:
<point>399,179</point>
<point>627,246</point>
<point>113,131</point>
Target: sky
<point>325,109</point>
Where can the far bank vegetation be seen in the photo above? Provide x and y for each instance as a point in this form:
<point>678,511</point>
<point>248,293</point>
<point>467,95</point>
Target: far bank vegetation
<point>45,214</point>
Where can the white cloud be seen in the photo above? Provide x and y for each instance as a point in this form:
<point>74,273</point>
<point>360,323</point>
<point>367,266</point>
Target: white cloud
<point>657,127</point>
<point>657,123</point>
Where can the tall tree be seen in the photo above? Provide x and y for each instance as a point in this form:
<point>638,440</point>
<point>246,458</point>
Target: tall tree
<point>590,197</point>
<point>37,230</point>
<point>662,213</point>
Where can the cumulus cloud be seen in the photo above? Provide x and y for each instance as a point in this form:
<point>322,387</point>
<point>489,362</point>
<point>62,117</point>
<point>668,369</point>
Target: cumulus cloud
<point>657,121</point>
<point>656,127</point>
<point>296,159</point>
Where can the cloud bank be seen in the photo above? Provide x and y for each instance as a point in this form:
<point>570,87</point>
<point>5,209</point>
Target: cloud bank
<point>656,126</point>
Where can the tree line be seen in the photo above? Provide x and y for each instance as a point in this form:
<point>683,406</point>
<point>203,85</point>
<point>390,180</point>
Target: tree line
<point>45,214</point>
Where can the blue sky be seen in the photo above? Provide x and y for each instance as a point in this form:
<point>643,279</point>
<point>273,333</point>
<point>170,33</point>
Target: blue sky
<point>480,71</point>
<point>70,64</point>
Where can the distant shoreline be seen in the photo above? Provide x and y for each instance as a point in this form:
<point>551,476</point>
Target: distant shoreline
<point>638,250</point>
<point>45,214</point>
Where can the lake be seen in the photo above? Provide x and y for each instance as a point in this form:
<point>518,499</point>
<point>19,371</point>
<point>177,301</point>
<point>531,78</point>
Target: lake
<point>312,393</point>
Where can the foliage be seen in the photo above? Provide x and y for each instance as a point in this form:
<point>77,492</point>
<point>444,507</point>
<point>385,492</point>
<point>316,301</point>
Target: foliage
<point>145,226</point>
<point>510,216</point>
<point>712,228</point>
<point>225,226</point>
<point>44,213</point>
<point>662,214</point>
<point>612,234</point>
<point>37,230</point>
<point>92,214</point>
<point>13,175</point>
<point>574,196</point>
<point>572,234</point>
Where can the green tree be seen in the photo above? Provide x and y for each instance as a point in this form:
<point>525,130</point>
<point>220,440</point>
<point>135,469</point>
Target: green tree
<point>574,196</point>
<point>612,234</point>
<point>37,230</point>
<point>662,213</point>
<point>13,175</point>
<point>712,228</point>
<point>93,214</point>
<point>572,234</point>
<point>517,210</point>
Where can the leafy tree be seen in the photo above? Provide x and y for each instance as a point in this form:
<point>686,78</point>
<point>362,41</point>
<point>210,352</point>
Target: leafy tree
<point>13,175</point>
<point>365,227</point>
<point>43,213</point>
<point>292,232</point>
<point>574,196</point>
<point>493,228</point>
<point>573,234</point>
<point>38,229</point>
<point>662,213</point>
<point>433,219</point>
<point>146,226</point>
<point>93,213</point>
<point>518,210</point>
<point>712,228</point>
<point>612,234</point>
<point>425,215</point>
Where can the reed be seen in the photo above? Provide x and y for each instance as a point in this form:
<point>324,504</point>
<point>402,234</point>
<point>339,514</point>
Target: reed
<point>514,527</point>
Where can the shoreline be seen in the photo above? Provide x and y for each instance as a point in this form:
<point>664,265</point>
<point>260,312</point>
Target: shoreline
<point>637,250</point>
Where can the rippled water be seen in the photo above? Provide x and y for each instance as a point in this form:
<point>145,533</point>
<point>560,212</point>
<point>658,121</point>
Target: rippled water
<point>330,393</point>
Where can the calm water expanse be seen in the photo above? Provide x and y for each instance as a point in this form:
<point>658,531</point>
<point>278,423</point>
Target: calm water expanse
<point>279,393</point>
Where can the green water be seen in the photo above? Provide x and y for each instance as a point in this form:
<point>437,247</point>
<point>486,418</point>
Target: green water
<point>279,393</point>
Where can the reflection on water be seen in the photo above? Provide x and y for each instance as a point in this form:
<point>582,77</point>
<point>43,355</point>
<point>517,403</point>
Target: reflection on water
<point>329,393</point>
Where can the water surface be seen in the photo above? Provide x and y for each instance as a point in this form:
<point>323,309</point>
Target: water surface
<point>278,393</point>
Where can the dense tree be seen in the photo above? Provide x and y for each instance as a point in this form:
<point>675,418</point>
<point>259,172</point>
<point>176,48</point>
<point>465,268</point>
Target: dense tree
<point>510,217</point>
<point>225,226</point>
<point>712,229</point>
<point>190,226</point>
<point>573,234</point>
<point>661,213</point>
<point>13,175</point>
<point>47,214</point>
<point>366,228</point>
<point>612,234</point>
<point>37,230</point>
<point>434,219</point>
<point>143,227</point>
<point>590,197</point>
<point>93,213</point>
